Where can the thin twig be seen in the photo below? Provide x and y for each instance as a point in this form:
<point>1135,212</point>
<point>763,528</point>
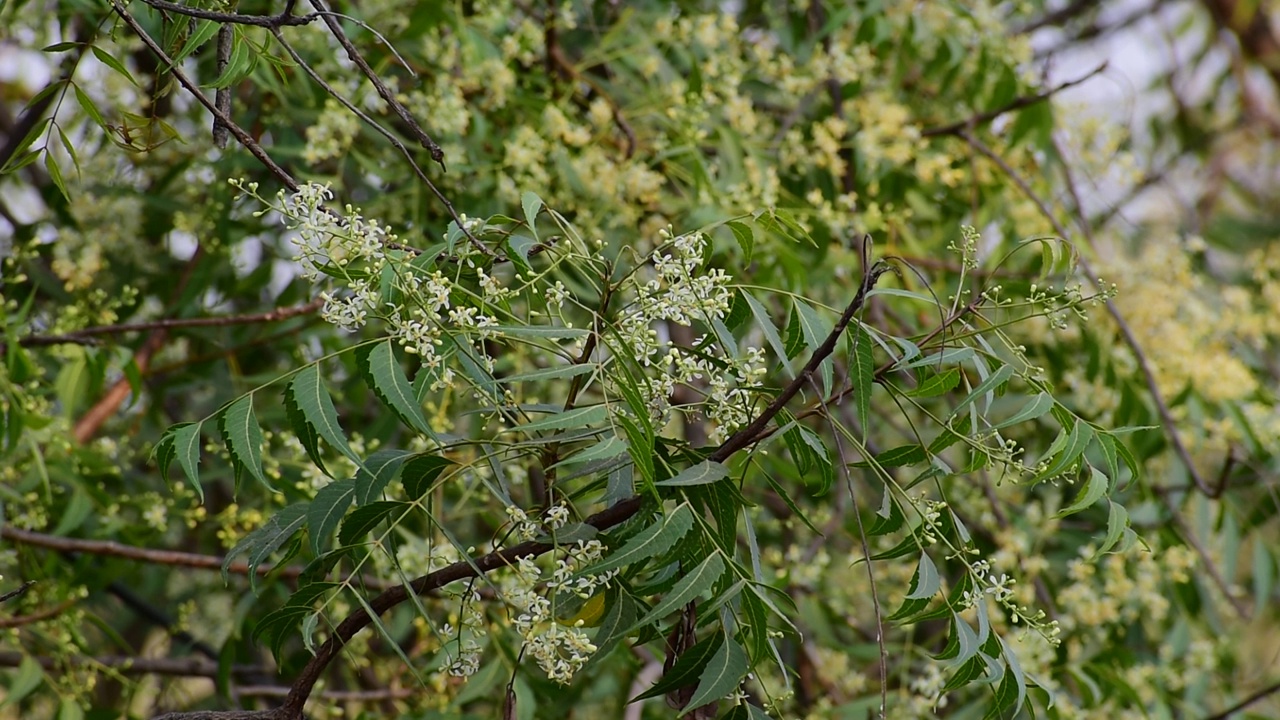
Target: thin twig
<point>130,665</point>
<point>79,336</point>
<point>36,617</point>
<point>110,548</point>
<point>238,132</point>
<point>265,21</point>
<point>956,128</point>
<point>1255,697</point>
<point>19,591</point>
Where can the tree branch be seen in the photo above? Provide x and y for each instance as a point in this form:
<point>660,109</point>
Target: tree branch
<point>1016,104</point>
<point>110,548</point>
<point>81,336</point>
<point>265,21</point>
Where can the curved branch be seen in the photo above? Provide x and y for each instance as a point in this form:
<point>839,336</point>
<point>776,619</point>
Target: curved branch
<point>81,336</point>
<point>266,21</point>
<point>956,128</point>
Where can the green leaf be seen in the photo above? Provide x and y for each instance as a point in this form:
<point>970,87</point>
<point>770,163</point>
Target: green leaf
<point>379,470</point>
<point>90,109</point>
<point>326,511</point>
<point>55,174</point>
<point>687,668</point>
<point>238,66</point>
<point>993,380</point>
<point>1093,491</point>
<point>308,391</point>
<point>937,384</point>
<point>29,677</point>
<point>531,204</point>
<point>1073,447</point>
<point>610,447</point>
<point>420,471</point>
<point>364,519</point>
<point>889,517</point>
<point>693,584</point>
<point>243,437</point>
<point>114,64</point>
<point>770,331</point>
<point>815,331</point>
<point>186,445</point>
<point>897,457</point>
<point>539,332</point>
<point>926,581</point>
<point>723,673</point>
<point>575,418</point>
<point>556,373</point>
<point>653,540</point>
<point>382,373</point>
<point>1117,523</point>
<point>746,240</point>
<point>205,29</point>
<point>1036,407</point>
<point>1012,691</point>
<point>261,543</point>
<point>705,472</point>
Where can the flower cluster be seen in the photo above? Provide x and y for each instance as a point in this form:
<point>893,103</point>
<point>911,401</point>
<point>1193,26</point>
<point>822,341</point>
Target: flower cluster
<point>559,650</point>
<point>681,293</point>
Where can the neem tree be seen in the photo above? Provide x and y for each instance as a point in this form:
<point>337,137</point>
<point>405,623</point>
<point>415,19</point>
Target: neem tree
<point>535,360</point>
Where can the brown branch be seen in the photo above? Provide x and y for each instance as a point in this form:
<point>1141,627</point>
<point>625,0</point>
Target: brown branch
<point>1259,695</point>
<point>130,665</point>
<point>377,695</point>
<point>36,617</point>
<point>265,21</point>
<point>1016,104</point>
<point>236,131</point>
<point>1166,418</point>
<point>19,591</point>
<point>81,336</point>
<point>176,558</point>
<point>748,435</point>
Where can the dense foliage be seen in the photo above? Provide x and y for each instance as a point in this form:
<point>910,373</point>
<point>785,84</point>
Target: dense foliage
<point>620,360</point>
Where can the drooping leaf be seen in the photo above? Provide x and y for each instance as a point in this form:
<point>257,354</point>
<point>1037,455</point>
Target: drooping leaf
<point>261,543</point>
<point>690,586</point>
<point>770,331</point>
<point>653,540</point>
<point>308,391</point>
<point>378,471</point>
<point>1095,487</point>
<point>326,511</point>
<point>686,669</point>
<point>531,204</point>
<point>366,518</point>
<point>926,582</point>
<point>420,471</point>
<point>381,372</point>
<point>705,472</point>
<point>243,437</point>
<point>863,373</point>
<point>815,330</point>
<point>723,673</point>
